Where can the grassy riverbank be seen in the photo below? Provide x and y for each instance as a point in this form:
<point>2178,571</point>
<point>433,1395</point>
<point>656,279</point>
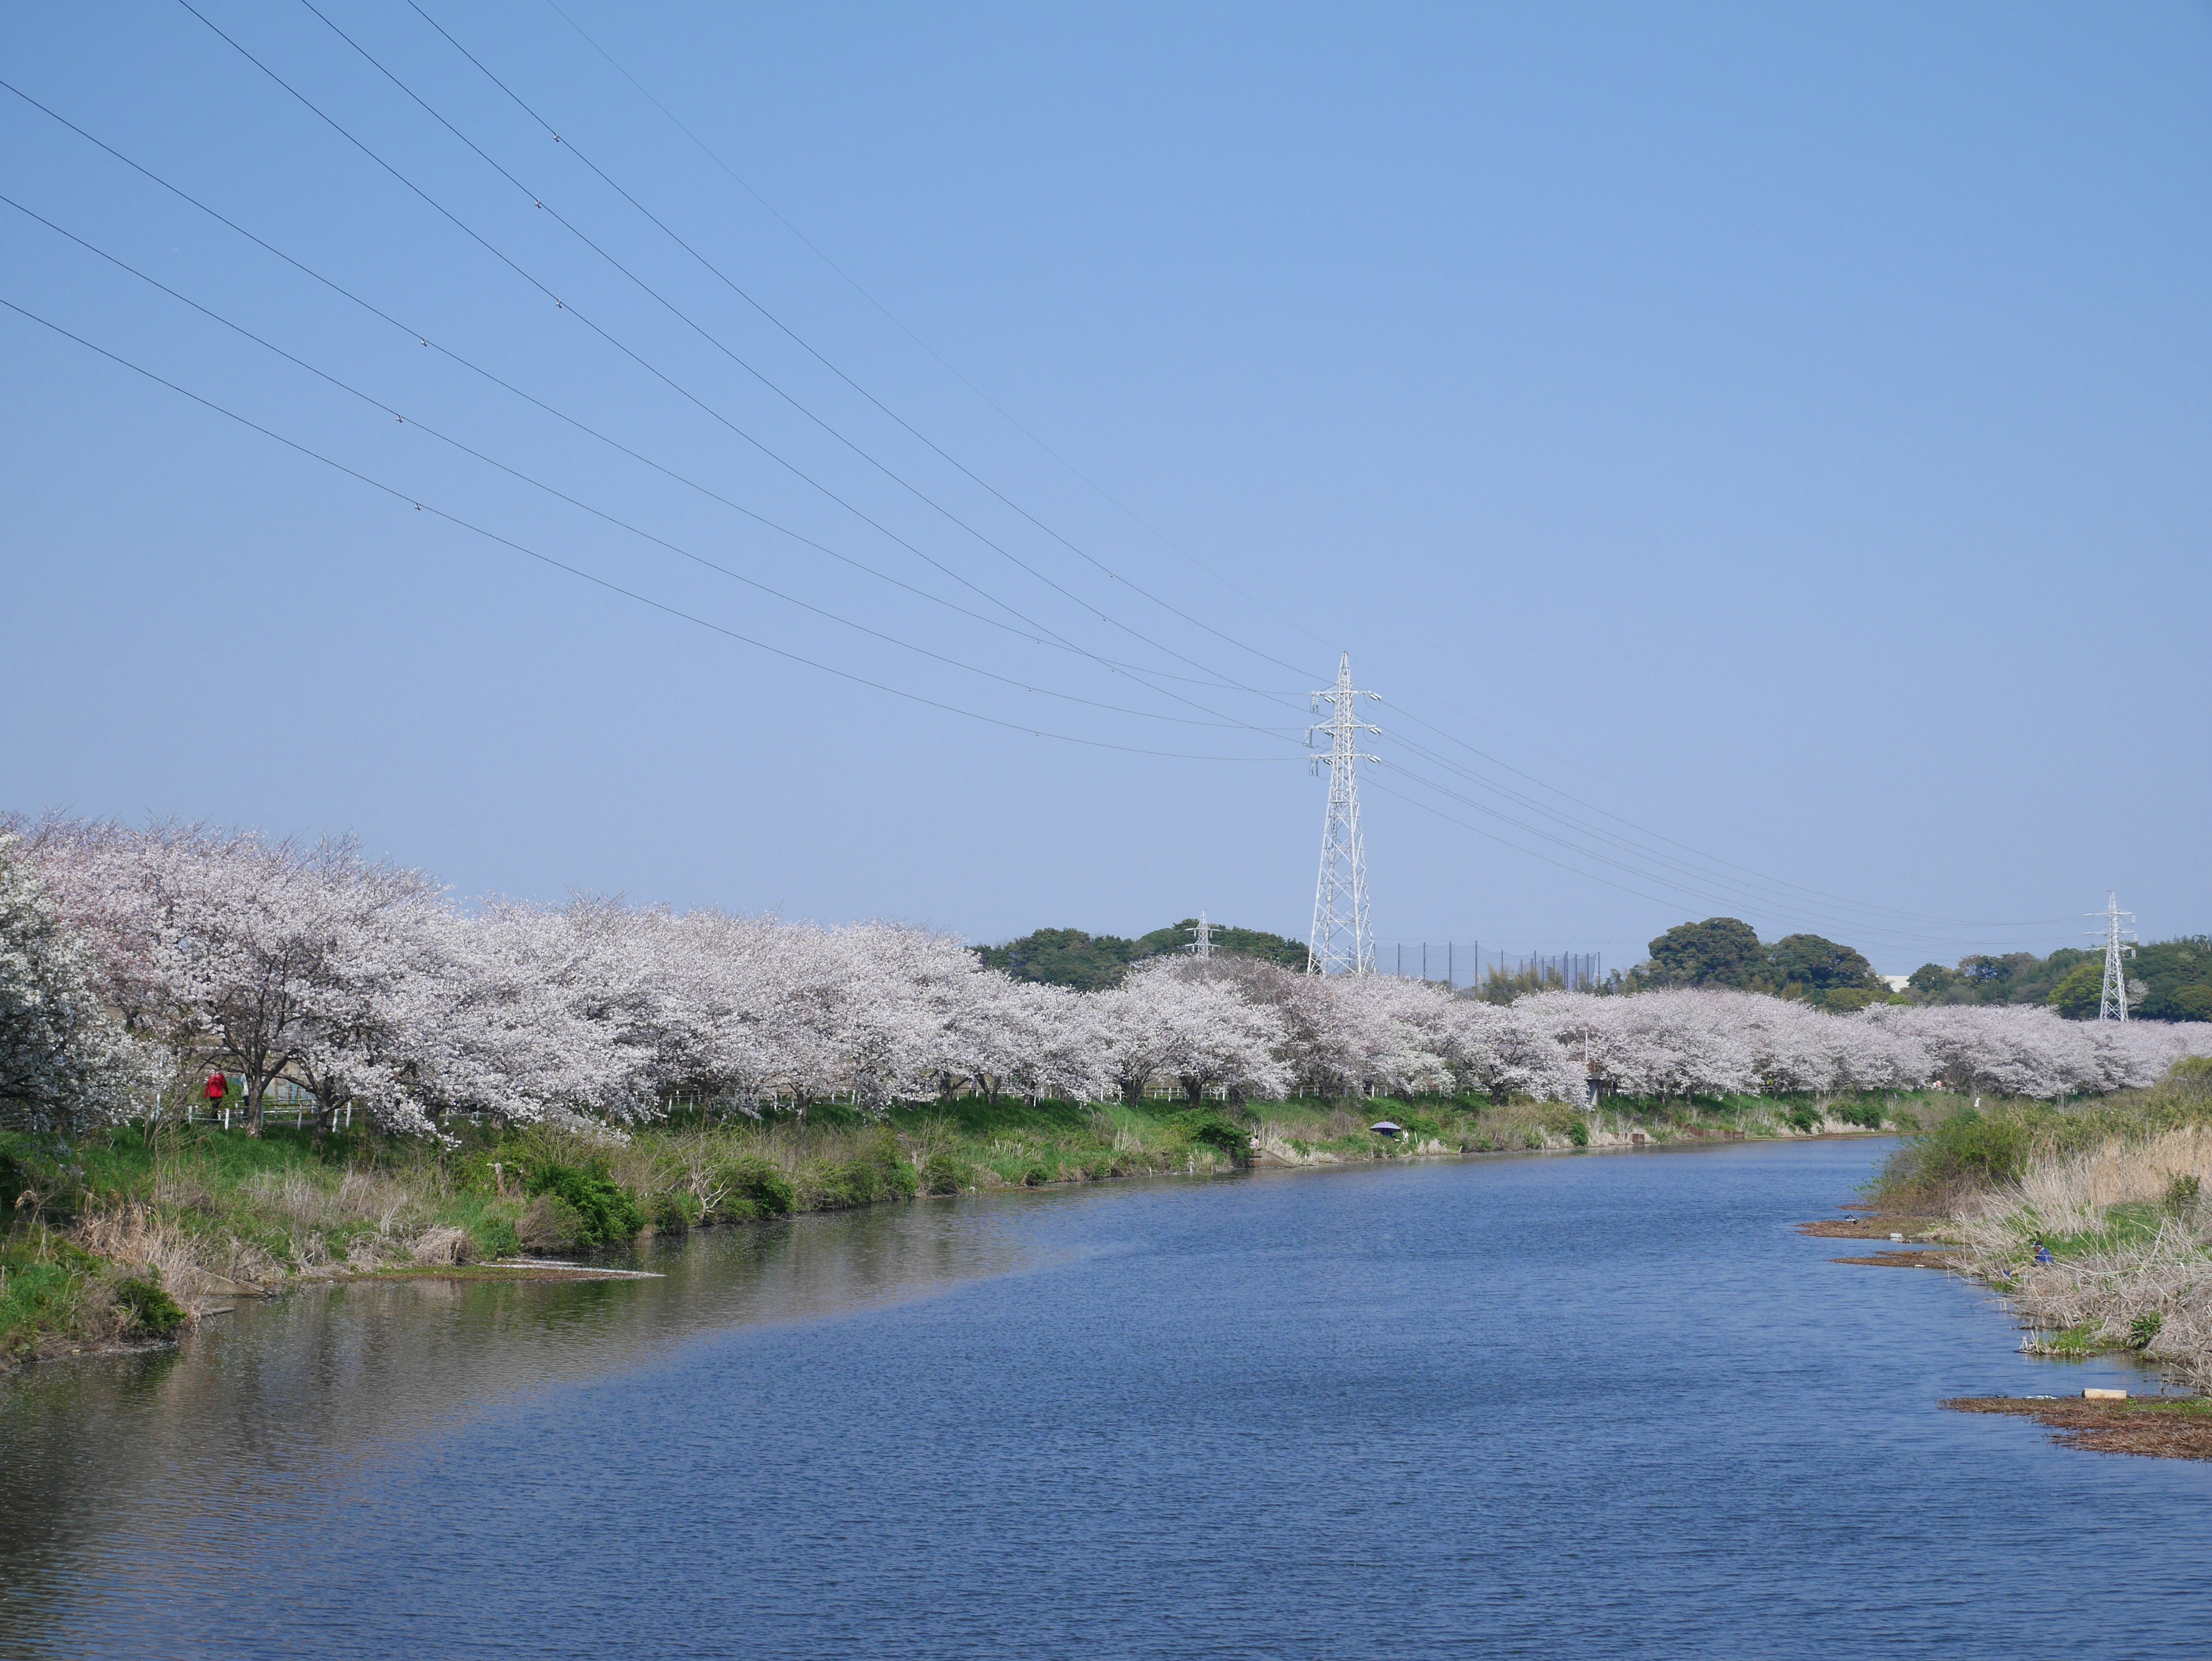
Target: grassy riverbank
<point>2118,1194</point>
<point>126,1236</point>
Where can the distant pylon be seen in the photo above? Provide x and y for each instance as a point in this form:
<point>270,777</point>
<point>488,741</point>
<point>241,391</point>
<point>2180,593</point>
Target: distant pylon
<point>2112,1002</point>
<point>1342,942</point>
<point>1202,944</point>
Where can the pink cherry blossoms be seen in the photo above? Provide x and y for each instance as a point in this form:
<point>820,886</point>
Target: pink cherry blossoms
<point>365,984</point>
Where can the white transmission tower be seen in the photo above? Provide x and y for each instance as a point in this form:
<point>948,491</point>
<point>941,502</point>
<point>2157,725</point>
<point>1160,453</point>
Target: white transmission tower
<point>1342,942</point>
<point>2119,938</point>
<point>1201,942</point>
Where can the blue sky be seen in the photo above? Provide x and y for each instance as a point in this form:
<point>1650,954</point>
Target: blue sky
<point>1780,430</point>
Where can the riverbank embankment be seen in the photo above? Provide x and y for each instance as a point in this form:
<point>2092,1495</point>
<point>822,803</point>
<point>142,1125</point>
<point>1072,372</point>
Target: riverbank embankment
<point>129,1235</point>
<point>2094,1222</point>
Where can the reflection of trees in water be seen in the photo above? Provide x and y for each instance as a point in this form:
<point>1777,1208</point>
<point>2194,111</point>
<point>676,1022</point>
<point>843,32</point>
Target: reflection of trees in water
<point>128,1476</point>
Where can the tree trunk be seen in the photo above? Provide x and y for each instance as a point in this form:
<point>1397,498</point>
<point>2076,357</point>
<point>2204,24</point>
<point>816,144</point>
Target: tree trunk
<point>326,1113</point>
<point>1194,1091</point>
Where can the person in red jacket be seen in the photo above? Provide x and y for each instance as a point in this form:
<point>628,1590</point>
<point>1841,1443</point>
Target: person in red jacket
<point>217,1087</point>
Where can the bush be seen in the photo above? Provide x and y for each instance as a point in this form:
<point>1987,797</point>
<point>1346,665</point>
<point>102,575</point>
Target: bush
<point>1804,1116</point>
<point>494,1238</point>
<point>676,1209</point>
<point>1232,1140</point>
<point>1578,1131</point>
<point>2144,1330</point>
<point>943,1174</point>
<point>2182,1194</point>
<point>880,1172</point>
<point>154,1313</point>
<point>1969,1148</point>
<point>1865,1115</point>
<point>604,1212</point>
<point>550,1223</point>
<point>752,1187</point>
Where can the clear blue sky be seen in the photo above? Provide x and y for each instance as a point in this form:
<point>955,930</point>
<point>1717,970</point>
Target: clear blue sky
<point>1784,428</point>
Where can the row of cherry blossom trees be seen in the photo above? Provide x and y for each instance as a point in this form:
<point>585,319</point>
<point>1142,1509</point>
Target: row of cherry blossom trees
<point>363,982</point>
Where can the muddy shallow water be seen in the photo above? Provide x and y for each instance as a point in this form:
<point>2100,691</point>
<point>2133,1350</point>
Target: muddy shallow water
<point>1587,1405</point>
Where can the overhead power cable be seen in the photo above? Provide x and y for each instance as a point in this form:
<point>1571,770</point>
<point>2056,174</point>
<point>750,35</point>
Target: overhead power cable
<point>424,506</point>
<point>1708,891</point>
<point>1760,891</point>
<point>536,199</point>
<point>1437,759</point>
<point>568,141</point>
<point>1776,882</point>
<point>554,491</point>
<point>560,303</point>
<point>892,318</point>
<point>737,289</point>
<point>493,379</point>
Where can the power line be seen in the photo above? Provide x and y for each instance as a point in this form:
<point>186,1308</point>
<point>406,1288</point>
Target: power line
<point>1917,916</point>
<point>493,379</point>
<point>806,346</point>
<point>712,339</point>
<point>853,283</point>
<point>554,491</point>
<point>424,507</point>
<point>746,185</point>
<point>1102,615</point>
<point>1714,884</point>
<point>560,303</point>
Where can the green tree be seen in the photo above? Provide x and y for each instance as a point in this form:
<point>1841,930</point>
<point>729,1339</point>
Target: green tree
<point>1818,967</point>
<point>2077,996</point>
<point>2177,977</point>
<point>1064,956</point>
<point>1089,962</point>
<point>1718,952</point>
<point>1233,942</point>
<point>1931,981</point>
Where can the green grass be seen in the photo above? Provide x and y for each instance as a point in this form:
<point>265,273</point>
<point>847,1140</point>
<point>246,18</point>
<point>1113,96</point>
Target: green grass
<point>279,1206</point>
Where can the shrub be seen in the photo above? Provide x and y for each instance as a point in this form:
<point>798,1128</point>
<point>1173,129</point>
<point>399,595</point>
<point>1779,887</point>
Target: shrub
<point>880,1171</point>
<point>943,1174</point>
<point>1805,1116</point>
<point>752,1187</point>
<point>550,1223</point>
<point>1967,1148</point>
<point>154,1313</point>
<point>1578,1132</point>
<point>493,1237</point>
<point>676,1209</point>
<point>2182,1194</point>
<point>1232,1140</point>
<point>2144,1330</point>
<point>604,1212</point>
<point>1865,1115</point>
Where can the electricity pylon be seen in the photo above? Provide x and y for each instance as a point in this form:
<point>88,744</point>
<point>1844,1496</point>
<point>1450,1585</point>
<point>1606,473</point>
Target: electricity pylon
<point>2113,1003</point>
<point>1202,944</point>
<point>1342,941</point>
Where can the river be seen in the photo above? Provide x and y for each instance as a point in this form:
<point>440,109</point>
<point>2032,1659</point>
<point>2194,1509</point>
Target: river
<point>1599,1405</point>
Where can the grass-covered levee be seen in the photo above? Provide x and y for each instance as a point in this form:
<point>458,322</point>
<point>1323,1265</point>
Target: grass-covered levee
<point>2094,1220</point>
<point>126,1234</point>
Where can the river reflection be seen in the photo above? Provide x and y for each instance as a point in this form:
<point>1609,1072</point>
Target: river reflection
<point>1597,1405</point>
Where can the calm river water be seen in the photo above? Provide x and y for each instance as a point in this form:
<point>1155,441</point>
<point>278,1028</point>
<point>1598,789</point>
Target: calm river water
<point>1562,1406</point>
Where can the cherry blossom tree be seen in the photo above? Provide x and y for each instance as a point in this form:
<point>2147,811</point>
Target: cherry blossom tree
<point>64,1060</point>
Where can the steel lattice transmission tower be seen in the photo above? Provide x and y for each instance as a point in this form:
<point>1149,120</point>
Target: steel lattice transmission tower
<point>1201,940</point>
<point>1342,942</point>
<point>2112,1004</point>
